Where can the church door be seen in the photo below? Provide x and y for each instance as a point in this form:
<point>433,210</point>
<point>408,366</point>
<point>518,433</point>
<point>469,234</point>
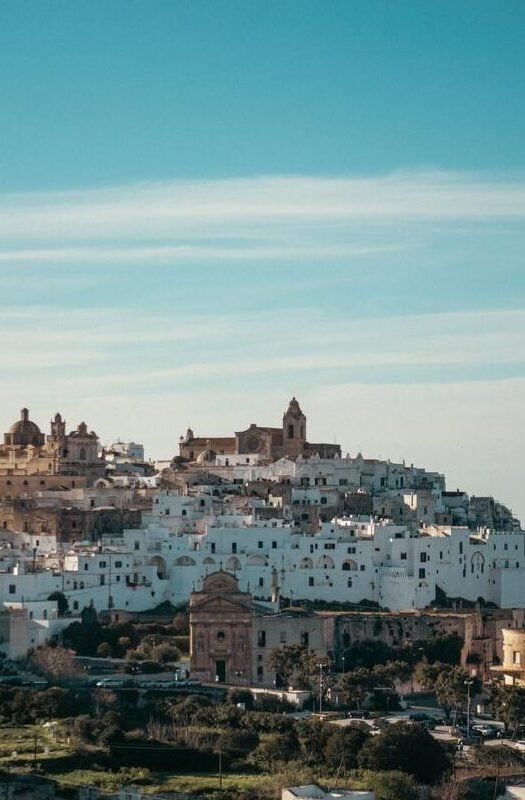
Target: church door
<point>220,671</point>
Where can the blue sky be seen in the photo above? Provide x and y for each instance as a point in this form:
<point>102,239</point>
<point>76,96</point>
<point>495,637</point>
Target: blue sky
<point>206,207</point>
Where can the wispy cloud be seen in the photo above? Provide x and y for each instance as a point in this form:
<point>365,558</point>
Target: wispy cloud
<point>188,208</point>
<point>179,350</point>
<point>189,253</point>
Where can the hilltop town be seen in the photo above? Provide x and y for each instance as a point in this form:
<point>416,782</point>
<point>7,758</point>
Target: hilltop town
<point>252,575</point>
<point>295,522</point>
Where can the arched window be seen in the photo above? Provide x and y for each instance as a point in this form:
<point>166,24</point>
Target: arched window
<point>349,565</point>
<point>477,563</point>
<point>306,563</point>
<point>185,561</point>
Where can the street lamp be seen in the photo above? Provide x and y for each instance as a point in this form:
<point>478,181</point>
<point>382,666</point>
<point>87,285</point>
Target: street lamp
<point>321,665</point>
<point>468,684</point>
<point>239,673</point>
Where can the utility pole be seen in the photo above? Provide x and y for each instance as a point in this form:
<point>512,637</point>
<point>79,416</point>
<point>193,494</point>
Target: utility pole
<point>468,684</point>
<point>320,689</point>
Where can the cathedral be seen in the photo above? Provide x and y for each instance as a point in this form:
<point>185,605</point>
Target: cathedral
<point>269,444</point>
<point>27,451</point>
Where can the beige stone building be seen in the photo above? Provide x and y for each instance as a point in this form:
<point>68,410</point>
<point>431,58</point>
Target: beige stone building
<point>512,670</point>
<point>220,631</point>
<point>269,444</point>
<point>28,453</point>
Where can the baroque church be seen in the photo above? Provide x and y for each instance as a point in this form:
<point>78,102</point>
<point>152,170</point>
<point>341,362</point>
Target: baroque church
<point>269,444</point>
<point>27,451</point>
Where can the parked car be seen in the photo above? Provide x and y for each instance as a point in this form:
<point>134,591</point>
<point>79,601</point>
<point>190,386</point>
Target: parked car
<point>487,731</point>
<point>109,683</point>
<point>358,715</point>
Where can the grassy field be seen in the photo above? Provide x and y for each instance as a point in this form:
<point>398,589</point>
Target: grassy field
<point>17,754</point>
<point>20,745</point>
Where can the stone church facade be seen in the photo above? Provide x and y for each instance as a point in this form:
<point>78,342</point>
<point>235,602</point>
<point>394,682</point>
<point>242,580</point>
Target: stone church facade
<point>26,451</point>
<point>269,444</point>
<point>220,631</point>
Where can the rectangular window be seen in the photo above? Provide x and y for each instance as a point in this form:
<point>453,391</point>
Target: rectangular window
<point>516,657</point>
<point>261,639</point>
<point>305,638</point>
<point>102,564</point>
<point>12,588</point>
<point>310,581</point>
<point>260,545</point>
<point>261,582</point>
<point>102,580</point>
<point>118,564</point>
<point>282,637</point>
<point>403,556</point>
<point>234,547</point>
<point>212,547</point>
<point>423,557</point>
<point>274,545</point>
<point>362,567</point>
<point>137,545</point>
<point>422,573</point>
<point>260,673</point>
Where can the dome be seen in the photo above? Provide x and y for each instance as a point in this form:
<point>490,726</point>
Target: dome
<point>24,432</point>
<point>24,425</point>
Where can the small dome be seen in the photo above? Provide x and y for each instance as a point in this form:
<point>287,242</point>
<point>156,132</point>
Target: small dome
<point>24,432</point>
<point>24,425</point>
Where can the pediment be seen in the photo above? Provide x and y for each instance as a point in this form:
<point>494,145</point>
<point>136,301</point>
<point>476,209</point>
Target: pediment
<point>220,603</point>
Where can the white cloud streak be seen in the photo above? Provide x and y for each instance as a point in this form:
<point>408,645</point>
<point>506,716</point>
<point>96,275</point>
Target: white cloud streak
<point>165,212</point>
<point>300,341</point>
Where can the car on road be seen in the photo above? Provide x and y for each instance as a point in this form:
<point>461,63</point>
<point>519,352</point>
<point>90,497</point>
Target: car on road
<point>358,715</point>
<point>109,683</point>
<point>487,731</point>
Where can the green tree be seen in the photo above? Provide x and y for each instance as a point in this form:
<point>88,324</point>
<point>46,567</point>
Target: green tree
<point>296,662</point>
<point>508,704</point>
<point>409,748</point>
<point>274,748</point>
<point>452,689</point>
<point>342,747</point>
<point>241,696</point>
<point>394,785</point>
<point>427,674</point>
